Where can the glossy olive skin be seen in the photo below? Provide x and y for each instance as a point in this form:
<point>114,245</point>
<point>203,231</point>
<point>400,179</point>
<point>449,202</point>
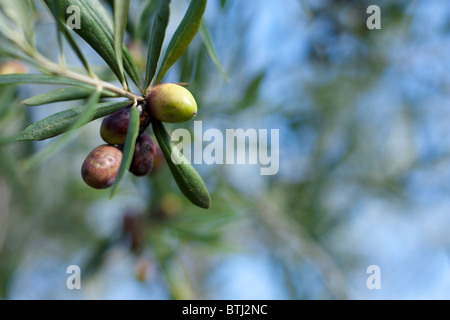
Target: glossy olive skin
<point>169,102</point>
<point>101,167</point>
<point>143,157</point>
<point>115,126</point>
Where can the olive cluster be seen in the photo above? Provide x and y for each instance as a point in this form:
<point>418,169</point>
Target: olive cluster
<point>166,102</point>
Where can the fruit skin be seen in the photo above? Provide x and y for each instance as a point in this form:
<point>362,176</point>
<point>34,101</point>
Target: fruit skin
<point>101,167</point>
<point>143,157</point>
<point>114,127</point>
<point>169,102</point>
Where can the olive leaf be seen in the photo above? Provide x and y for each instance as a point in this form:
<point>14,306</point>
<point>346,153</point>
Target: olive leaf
<point>130,27</point>
<point>85,116</point>
<point>57,10</point>
<point>97,30</point>
<point>21,11</point>
<point>105,21</point>
<point>183,36</point>
<point>65,94</point>
<point>128,148</point>
<point>38,79</point>
<point>144,25</point>
<point>121,9</point>
<point>206,39</point>
<point>251,91</point>
<point>186,177</point>
<point>157,39</point>
<point>63,121</point>
<point>5,26</point>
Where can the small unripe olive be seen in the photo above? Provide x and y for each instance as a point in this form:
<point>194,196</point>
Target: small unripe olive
<point>115,126</point>
<point>169,102</point>
<point>101,167</point>
<point>143,157</point>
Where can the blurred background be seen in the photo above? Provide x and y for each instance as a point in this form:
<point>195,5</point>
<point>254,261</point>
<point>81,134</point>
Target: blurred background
<point>363,117</point>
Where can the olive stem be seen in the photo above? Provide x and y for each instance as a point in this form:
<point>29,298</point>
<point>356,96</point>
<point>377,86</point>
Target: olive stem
<point>58,70</point>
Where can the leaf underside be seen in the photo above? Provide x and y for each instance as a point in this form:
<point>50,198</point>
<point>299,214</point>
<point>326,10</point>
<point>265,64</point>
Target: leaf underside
<point>62,122</point>
<point>183,36</point>
<point>185,175</point>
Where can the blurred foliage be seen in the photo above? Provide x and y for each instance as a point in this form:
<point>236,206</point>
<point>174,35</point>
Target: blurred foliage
<point>334,152</point>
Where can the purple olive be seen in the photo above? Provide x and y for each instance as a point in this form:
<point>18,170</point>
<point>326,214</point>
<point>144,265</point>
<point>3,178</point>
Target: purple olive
<point>143,157</point>
<point>115,126</point>
<point>101,167</point>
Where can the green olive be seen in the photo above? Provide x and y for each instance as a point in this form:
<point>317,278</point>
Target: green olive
<point>169,102</point>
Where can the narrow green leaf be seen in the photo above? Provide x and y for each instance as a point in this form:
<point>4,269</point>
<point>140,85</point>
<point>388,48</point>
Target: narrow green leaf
<point>157,39</point>
<point>62,122</point>
<point>128,149</point>
<point>145,21</point>
<point>121,9</point>
<point>131,67</point>
<point>13,53</point>
<point>97,30</point>
<point>105,20</point>
<point>20,11</point>
<point>183,36</point>
<point>94,31</point>
<point>79,53</point>
<point>38,79</point>
<point>65,94</point>
<point>187,178</point>
<point>54,8</point>
<point>251,91</point>
<point>131,28</point>
<point>86,116</point>
<point>57,10</point>
<point>206,39</point>
<point>223,3</point>
<point>5,26</point>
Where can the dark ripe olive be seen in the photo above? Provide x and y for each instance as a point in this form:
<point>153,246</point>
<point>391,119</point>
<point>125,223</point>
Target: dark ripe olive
<point>101,167</point>
<point>143,157</point>
<point>115,126</point>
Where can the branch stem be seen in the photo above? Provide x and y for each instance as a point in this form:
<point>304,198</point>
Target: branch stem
<point>62,71</point>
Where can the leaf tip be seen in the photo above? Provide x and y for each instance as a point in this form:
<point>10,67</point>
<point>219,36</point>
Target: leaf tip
<point>203,201</point>
<point>26,102</point>
<point>206,204</point>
